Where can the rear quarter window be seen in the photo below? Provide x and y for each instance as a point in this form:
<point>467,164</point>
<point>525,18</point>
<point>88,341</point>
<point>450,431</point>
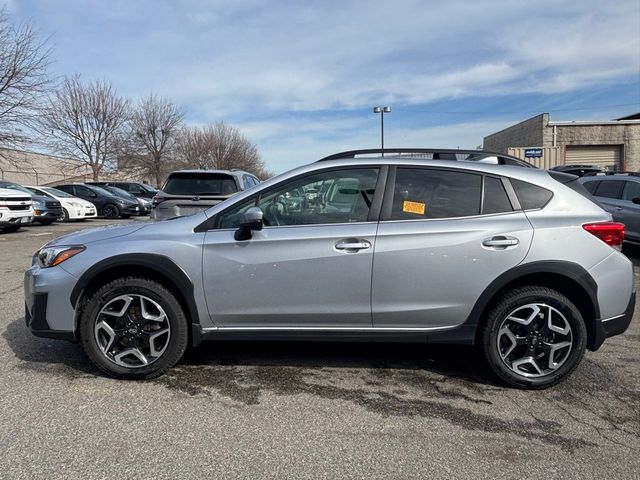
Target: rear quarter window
<point>530,196</point>
<point>495,199</point>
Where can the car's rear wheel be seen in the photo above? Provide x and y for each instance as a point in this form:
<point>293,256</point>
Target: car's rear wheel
<point>533,337</point>
<point>110,211</point>
<point>133,328</point>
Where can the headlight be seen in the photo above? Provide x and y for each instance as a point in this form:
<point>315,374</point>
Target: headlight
<point>38,203</point>
<point>75,204</point>
<point>52,256</point>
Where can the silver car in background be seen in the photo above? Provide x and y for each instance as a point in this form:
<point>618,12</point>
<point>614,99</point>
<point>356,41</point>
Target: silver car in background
<point>462,247</point>
<point>186,192</point>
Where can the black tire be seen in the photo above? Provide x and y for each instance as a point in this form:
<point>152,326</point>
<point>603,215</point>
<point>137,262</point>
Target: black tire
<point>65,216</point>
<point>176,344</point>
<point>10,228</point>
<point>507,304</point>
<point>110,211</point>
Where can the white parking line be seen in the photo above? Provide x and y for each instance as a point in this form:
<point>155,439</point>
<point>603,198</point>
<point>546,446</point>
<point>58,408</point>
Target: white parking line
<point>40,234</point>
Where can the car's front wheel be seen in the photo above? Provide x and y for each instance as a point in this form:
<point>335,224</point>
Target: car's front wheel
<point>133,328</point>
<point>533,337</point>
<point>110,211</point>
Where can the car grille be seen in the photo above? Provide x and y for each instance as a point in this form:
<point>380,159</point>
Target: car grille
<point>18,207</point>
<point>17,203</point>
<point>53,204</point>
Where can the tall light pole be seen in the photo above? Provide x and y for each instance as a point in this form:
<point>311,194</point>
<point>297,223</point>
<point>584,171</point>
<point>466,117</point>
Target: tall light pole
<point>382,110</point>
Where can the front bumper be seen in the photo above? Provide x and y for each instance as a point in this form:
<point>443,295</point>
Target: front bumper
<point>48,311</point>
<point>47,214</point>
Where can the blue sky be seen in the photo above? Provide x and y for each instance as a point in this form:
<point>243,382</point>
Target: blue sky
<point>299,78</point>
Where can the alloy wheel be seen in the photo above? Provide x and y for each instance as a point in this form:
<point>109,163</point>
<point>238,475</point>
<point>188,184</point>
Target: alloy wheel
<point>110,211</point>
<point>132,331</point>
<point>534,340</point>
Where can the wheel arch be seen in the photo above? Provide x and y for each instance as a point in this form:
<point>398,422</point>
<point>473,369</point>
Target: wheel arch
<point>153,266</point>
<point>569,279</point>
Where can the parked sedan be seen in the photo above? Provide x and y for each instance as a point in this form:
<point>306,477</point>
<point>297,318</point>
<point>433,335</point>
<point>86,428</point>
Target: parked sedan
<point>137,189</point>
<point>73,208</point>
<point>619,194</point>
<point>46,210</point>
<point>143,203</point>
<point>107,204</point>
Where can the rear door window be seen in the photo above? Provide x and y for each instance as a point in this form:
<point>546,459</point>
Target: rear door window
<point>610,188</point>
<point>421,193</point>
<point>195,183</point>
<point>495,199</point>
<point>631,190</point>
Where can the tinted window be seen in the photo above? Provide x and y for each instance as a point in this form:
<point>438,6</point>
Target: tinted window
<point>591,186</point>
<point>246,181</point>
<point>184,183</point>
<point>495,199</point>
<point>84,191</point>
<point>610,188</point>
<point>346,197</point>
<point>422,193</point>
<point>531,196</point>
<point>631,190</point>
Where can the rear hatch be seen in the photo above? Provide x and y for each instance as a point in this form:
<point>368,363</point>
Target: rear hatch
<point>186,193</point>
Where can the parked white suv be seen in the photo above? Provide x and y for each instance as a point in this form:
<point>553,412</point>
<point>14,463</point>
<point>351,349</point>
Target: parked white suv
<point>15,210</point>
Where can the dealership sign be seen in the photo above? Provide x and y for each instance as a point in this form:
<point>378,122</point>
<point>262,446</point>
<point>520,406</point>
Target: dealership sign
<point>533,152</point>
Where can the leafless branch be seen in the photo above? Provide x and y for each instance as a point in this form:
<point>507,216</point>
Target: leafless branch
<point>85,121</point>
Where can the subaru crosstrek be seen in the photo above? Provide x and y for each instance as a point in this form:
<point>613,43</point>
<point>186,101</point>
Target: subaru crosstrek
<point>462,247</point>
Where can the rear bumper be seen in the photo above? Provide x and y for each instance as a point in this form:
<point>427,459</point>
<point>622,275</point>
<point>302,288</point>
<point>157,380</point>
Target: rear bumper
<point>613,326</point>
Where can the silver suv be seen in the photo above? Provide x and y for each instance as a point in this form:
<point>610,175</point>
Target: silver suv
<point>440,246</point>
<point>186,192</point>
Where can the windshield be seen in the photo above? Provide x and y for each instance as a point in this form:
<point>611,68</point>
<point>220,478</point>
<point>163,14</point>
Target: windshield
<point>148,188</point>
<point>200,183</point>
<point>100,191</point>
<point>56,193</point>
<point>119,192</point>
<point>15,186</point>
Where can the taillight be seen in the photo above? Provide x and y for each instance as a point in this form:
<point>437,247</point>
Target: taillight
<point>156,200</point>
<point>611,233</point>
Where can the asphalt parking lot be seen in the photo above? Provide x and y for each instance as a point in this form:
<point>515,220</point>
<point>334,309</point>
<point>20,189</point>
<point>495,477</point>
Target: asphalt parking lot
<point>278,410</point>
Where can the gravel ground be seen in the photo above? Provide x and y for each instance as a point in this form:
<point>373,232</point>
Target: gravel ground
<point>311,410</point>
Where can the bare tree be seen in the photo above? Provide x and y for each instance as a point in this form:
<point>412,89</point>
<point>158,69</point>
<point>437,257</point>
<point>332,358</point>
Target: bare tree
<point>218,146</point>
<point>85,121</point>
<point>154,125</point>
<point>24,59</point>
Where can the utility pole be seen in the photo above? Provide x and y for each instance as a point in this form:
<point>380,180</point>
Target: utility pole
<point>382,110</point>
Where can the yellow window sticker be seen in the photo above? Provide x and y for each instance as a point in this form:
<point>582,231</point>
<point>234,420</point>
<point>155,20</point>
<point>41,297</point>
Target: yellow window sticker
<point>413,207</point>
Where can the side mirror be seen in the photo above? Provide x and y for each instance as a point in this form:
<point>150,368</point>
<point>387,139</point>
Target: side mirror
<point>636,200</point>
<point>251,220</point>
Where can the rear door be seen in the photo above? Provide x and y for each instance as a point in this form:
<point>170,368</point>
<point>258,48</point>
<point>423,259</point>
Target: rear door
<point>609,194</point>
<point>444,236</point>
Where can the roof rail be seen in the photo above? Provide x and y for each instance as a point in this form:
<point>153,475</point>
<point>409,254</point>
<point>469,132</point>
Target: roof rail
<point>434,154</point>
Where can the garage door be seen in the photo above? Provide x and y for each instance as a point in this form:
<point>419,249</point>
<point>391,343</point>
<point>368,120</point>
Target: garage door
<point>608,157</point>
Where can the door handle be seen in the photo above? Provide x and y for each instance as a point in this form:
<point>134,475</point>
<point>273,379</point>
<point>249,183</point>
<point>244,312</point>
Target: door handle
<point>500,242</point>
<point>352,245</point>
<point>618,208</point>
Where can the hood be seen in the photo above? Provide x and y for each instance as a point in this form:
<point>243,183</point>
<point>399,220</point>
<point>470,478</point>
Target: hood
<point>85,237</point>
<point>10,192</point>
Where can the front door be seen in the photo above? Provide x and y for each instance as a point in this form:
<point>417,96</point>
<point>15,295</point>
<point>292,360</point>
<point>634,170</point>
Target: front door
<point>310,266</point>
